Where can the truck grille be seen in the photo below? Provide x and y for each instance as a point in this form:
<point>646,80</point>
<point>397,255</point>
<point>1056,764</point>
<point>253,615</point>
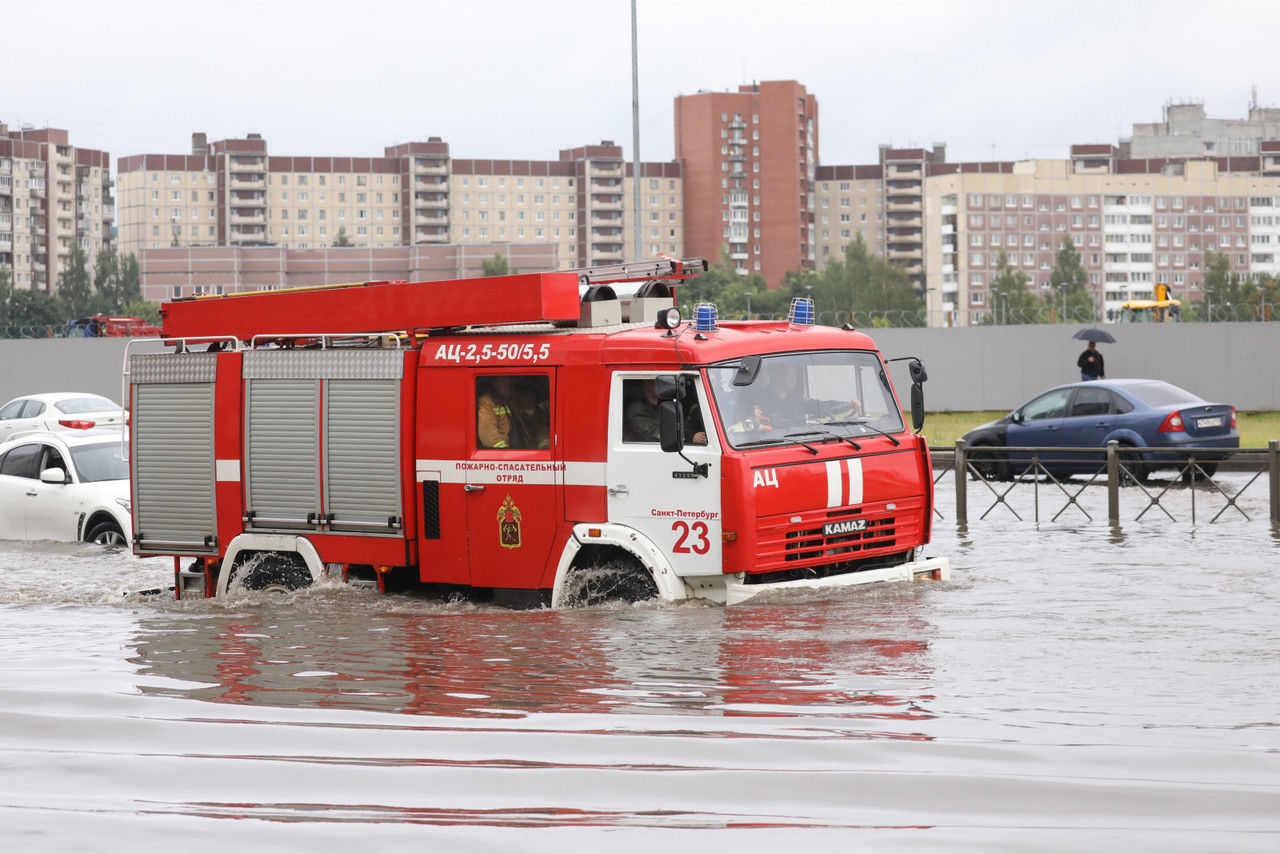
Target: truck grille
<point>834,541</point>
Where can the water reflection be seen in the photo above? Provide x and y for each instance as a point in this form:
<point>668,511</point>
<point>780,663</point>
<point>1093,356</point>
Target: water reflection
<point>867,656</point>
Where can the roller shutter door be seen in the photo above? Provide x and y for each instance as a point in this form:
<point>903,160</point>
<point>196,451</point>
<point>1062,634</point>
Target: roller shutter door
<point>362,455</point>
<point>172,459</point>
<point>282,438</point>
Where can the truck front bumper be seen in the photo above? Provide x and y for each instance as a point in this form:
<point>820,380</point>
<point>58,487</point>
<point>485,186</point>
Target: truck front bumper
<point>928,569</point>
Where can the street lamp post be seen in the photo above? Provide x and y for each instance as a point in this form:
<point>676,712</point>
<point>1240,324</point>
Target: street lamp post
<point>749,305</point>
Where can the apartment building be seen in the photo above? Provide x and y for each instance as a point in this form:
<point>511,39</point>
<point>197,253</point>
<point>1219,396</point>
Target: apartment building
<point>1187,132</point>
<point>1135,223</point>
<point>234,193</point>
<point>749,161</point>
<point>53,196</point>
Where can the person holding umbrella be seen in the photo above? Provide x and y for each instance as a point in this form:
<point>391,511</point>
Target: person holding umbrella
<point>1090,363</point>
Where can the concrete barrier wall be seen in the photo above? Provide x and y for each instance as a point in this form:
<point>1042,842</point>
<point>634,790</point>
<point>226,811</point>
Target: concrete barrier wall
<point>969,368</point>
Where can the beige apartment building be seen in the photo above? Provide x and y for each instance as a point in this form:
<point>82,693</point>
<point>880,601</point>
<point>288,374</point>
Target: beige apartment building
<point>1136,223</point>
<point>234,193</point>
<point>53,196</point>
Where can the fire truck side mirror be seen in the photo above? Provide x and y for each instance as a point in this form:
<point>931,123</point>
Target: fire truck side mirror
<point>917,406</point>
<point>668,388</point>
<point>916,367</point>
<point>671,425</point>
<point>748,369</point>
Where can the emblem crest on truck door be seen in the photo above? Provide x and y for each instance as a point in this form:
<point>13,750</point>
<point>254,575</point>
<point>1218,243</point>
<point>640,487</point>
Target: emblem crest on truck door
<point>509,524</point>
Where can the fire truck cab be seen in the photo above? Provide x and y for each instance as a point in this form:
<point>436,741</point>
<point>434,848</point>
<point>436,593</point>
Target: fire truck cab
<point>538,439</point>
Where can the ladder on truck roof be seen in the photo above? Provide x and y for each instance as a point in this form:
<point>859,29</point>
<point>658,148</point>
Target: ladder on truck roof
<point>371,307</point>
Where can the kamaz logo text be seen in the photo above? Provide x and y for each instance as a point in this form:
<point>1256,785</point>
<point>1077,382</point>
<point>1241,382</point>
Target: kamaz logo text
<point>767,477</point>
<point>848,526</point>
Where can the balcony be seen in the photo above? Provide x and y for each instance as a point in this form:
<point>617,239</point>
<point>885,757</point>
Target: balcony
<point>6,185</point>
<point>905,222</point>
<point>421,218</point>
<point>948,249</point>
<point>441,236</point>
<point>431,204</point>
<point>247,164</point>
<point>436,183</point>
<point>36,187</point>
<point>903,205</point>
<point>605,218</point>
<point>82,225</point>
<point>243,217</point>
<point>597,169</point>
<point>6,244</point>
<point>247,182</point>
<point>430,168</point>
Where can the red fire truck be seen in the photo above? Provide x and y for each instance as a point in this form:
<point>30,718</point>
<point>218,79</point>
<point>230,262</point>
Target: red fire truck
<point>535,439</point>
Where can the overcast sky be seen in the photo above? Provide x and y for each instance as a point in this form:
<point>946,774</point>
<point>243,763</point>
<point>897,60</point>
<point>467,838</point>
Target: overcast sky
<point>991,78</point>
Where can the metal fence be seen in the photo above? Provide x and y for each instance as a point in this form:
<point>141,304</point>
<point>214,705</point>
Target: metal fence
<point>28,331</point>
<point>994,473</point>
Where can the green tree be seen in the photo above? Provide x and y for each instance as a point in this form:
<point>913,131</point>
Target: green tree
<point>143,308</point>
<point>130,283</point>
<point>106,284</point>
<point>722,285</point>
<point>1222,288</point>
<point>6,290</point>
<point>862,288</point>
<point>35,312</point>
<point>1068,273</point>
<point>75,288</point>
<point>1011,301</point>
<point>342,239</point>
<point>498,265</point>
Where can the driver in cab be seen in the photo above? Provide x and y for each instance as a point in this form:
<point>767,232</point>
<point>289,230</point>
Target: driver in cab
<point>778,398</point>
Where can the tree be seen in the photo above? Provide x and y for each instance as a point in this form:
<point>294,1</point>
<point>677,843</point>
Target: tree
<point>722,285</point>
<point>75,289</point>
<point>106,285</point>
<point>1222,288</point>
<point>143,308</point>
<point>498,265</point>
<point>1068,273</point>
<point>1011,301</point>
<point>130,286</point>
<point>6,290</point>
<point>36,312</point>
<point>342,239</point>
<point>862,288</point>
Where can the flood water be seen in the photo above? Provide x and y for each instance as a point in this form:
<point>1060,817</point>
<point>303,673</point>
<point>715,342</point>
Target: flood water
<point>1073,687</point>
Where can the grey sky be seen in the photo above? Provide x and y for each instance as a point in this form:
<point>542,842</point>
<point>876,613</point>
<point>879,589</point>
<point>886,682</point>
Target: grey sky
<point>525,79</point>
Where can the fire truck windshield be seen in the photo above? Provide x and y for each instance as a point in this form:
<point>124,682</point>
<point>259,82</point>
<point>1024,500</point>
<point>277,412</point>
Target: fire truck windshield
<point>799,397</point>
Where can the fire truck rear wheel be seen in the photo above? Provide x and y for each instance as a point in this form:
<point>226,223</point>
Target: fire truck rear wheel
<point>607,582</point>
<point>275,572</point>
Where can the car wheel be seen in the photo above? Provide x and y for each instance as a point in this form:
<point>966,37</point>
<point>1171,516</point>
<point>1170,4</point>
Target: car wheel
<point>986,461</point>
<point>1206,470</point>
<point>1134,469</point>
<point>106,533</point>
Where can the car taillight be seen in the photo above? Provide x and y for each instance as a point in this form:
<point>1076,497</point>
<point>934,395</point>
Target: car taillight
<point>1233,416</point>
<point>1172,423</point>
<point>77,425</point>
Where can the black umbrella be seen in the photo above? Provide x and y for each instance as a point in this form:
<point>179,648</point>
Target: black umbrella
<point>1095,334</point>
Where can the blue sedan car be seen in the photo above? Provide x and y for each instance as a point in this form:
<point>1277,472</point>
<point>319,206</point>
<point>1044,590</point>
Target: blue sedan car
<point>1151,415</point>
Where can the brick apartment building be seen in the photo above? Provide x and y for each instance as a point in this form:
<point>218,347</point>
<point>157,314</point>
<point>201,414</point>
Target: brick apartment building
<point>53,196</point>
<point>749,161</point>
<point>1135,222</point>
<point>234,193</point>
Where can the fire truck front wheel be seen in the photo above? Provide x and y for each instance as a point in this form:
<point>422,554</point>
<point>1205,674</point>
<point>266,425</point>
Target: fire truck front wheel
<point>608,578</point>
<point>271,572</point>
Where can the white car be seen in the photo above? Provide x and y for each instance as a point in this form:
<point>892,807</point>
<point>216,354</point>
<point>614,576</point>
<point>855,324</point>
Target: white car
<point>58,411</point>
<point>69,486</point>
